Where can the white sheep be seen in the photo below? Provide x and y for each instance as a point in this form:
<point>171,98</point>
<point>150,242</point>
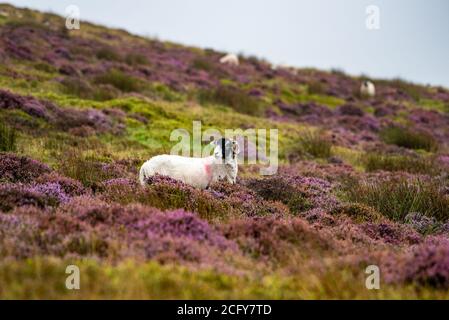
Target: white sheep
<point>367,89</point>
<point>198,172</point>
<point>230,59</point>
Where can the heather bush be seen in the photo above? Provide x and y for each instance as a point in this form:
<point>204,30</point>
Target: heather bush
<point>185,225</point>
<point>89,171</point>
<point>82,89</point>
<point>245,201</point>
<point>28,231</point>
<point>233,97</point>
<point>391,233</point>
<point>7,138</point>
<point>14,168</point>
<point>407,138</point>
<point>422,223</point>
<point>108,53</point>
<point>316,87</point>
<point>279,189</point>
<point>70,186</point>
<point>413,91</point>
<point>17,195</point>
<point>419,164</point>
<point>395,198</point>
<point>351,110</point>
<point>358,212</point>
<point>30,105</point>
<point>120,80</point>
<point>276,238</point>
<point>148,233</point>
<point>203,64</point>
<point>166,193</point>
<point>429,265</point>
<point>135,59</point>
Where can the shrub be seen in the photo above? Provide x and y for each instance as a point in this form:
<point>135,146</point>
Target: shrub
<point>16,195</point>
<point>7,138</point>
<point>375,161</point>
<point>358,212</point>
<point>279,189</point>
<point>421,223</point>
<point>107,53</point>
<point>30,105</point>
<point>233,97</point>
<point>396,198</point>
<point>204,64</point>
<point>135,59</point>
<point>77,87</point>
<point>407,138</point>
<point>429,265</point>
<point>311,144</point>
<point>410,89</point>
<point>276,238</point>
<point>316,87</point>
<point>120,80</point>
<point>69,186</point>
<point>90,172</point>
<point>15,168</point>
<point>166,193</point>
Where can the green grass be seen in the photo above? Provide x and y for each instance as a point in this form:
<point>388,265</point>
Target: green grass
<point>420,164</point>
<point>233,97</point>
<point>8,138</point>
<point>120,80</point>
<point>311,144</point>
<point>397,198</point>
<point>44,278</point>
<point>408,138</point>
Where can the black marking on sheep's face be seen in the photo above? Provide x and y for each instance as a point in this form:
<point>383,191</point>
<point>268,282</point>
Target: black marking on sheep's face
<point>226,148</point>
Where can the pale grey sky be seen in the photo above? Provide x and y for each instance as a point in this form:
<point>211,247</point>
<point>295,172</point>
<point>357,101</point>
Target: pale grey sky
<point>412,43</point>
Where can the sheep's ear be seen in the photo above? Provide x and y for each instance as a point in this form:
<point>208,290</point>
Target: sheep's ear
<point>235,147</point>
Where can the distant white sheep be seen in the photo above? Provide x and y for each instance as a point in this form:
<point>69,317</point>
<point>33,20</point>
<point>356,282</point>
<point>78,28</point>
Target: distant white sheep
<point>367,89</point>
<point>230,59</point>
<point>198,172</point>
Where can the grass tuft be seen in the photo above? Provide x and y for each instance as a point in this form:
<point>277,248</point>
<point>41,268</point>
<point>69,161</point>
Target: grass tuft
<point>407,138</point>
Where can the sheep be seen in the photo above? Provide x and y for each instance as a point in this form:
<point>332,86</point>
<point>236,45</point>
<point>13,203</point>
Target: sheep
<point>230,59</point>
<point>197,172</point>
<point>367,89</point>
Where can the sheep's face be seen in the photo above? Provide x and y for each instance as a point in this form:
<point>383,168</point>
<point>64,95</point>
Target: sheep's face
<point>225,150</point>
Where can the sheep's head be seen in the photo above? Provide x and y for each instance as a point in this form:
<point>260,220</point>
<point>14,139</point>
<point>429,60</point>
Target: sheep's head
<point>225,150</point>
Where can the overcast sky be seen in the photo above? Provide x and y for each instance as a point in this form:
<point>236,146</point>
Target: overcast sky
<point>412,42</point>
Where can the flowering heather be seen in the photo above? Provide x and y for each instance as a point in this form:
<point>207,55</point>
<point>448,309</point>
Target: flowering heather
<point>13,195</point>
<point>181,224</point>
<point>15,168</point>
<point>428,264</point>
<point>421,223</point>
<point>358,212</point>
<point>357,190</point>
<point>297,192</point>
<point>391,233</point>
<point>33,107</point>
<point>271,237</point>
<point>69,186</point>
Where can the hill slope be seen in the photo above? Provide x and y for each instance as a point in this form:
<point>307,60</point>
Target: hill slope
<point>361,180</point>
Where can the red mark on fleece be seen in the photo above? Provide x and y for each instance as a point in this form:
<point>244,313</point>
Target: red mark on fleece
<point>208,169</point>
